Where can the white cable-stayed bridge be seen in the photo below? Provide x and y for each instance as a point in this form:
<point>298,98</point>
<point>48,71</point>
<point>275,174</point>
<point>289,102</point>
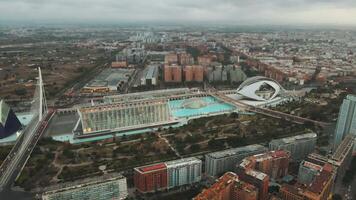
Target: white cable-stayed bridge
<point>15,161</point>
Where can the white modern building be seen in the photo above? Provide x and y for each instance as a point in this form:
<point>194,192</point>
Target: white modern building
<point>250,88</point>
<point>222,161</point>
<point>183,172</point>
<point>108,186</point>
<point>346,123</point>
<point>150,75</point>
<point>299,146</point>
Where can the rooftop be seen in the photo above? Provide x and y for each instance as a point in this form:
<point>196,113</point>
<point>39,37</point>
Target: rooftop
<point>256,174</point>
<point>312,166</point>
<point>83,182</point>
<point>150,168</point>
<point>223,182</point>
<point>151,72</point>
<point>318,185</point>
<point>111,77</point>
<point>183,161</point>
<point>294,139</point>
<point>271,155</point>
<point>236,151</point>
<point>351,97</point>
<point>120,105</point>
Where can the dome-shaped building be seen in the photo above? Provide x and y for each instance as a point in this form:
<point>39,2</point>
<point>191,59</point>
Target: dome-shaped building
<point>260,88</point>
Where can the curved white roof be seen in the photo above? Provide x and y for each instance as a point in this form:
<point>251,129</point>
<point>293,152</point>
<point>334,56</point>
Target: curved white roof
<point>249,87</point>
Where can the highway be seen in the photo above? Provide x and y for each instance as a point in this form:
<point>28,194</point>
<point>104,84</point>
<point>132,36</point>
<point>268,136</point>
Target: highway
<point>20,153</point>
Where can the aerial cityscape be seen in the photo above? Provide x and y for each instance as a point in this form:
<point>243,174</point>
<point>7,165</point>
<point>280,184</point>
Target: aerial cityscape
<point>155,100</point>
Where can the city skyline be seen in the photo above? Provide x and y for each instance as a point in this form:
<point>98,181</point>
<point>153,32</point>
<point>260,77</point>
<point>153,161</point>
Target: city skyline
<point>277,12</point>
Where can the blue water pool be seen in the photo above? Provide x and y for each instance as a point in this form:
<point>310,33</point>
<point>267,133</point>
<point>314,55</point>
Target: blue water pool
<point>206,105</point>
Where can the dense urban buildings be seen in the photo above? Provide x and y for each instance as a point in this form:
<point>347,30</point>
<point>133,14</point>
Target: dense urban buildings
<point>108,186</point>
<point>194,73</point>
<point>121,98</point>
<point>220,162</point>
<point>9,123</point>
<point>318,189</point>
<point>258,169</point>
<point>229,187</point>
<point>307,172</point>
<point>173,73</point>
<point>346,123</point>
<point>273,163</point>
<point>258,179</point>
<point>299,146</point>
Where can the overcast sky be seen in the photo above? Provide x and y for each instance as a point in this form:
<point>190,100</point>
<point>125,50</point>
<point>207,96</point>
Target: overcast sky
<point>279,12</point>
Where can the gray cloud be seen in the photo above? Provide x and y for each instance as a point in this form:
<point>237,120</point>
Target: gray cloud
<point>229,11</point>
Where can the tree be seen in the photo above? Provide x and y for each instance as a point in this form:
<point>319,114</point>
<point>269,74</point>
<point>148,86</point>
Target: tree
<point>68,153</point>
<point>195,147</point>
<point>213,143</point>
<point>21,92</point>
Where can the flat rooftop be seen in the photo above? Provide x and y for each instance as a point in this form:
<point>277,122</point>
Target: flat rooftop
<point>236,151</point>
<point>183,161</point>
<point>83,183</point>
<point>150,168</point>
<point>293,139</point>
<point>111,77</point>
<point>151,72</point>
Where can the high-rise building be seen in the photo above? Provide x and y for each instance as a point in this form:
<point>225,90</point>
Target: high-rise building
<point>321,187</point>
<point>257,169</point>
<point>183,172</point>
<point>299,146</point>
<point>173,73</point>
<point>150,178</point>
<point>245,191</point>
<point>342,156</point>
<point>291,192</point>
<point>258,179</point>
<point>185,59</point>
<point>307,172</point>
<point>9,123</point>
<point>346,123</point>
<point>204,60</point>
<point>121,61</point>
<point>222,161</point>
<point>229,187</point>
<point>318,182</point>
<point>273,163</point>
<point>167,175</point>
<point>108,186</point>
<point>171,58</point>
<point>194,73</point>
